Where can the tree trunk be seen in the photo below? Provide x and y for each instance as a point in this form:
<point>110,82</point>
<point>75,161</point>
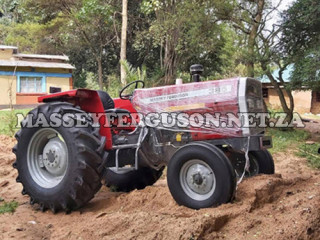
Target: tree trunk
<point>252,37</point>
<point>123,52</point>
<point>100,75</point>
<point>250,63</point>
<point>286,109</point>
<point>291,100</point>
<point>161,52</point>
<point>170,61</point>
<point>170,64</point>
<point>288,91</point>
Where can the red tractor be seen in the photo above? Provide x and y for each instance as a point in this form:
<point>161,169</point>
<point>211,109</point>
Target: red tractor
<point>73,142</point>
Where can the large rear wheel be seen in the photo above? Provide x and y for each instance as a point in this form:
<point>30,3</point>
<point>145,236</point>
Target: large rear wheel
<point>131,180</point>
<point>124,179</point>
<point>59,167</point>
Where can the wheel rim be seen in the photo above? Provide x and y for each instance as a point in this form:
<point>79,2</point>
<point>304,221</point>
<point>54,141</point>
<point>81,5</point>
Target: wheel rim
<point>253,169</point>
<point>197,179</point>
<point>47,158</point>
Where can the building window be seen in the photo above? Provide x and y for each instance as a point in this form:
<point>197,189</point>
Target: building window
<point>317,96</point>
<point>265,92</point>
<point>31,84</point>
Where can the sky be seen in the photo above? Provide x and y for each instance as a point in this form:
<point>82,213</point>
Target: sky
<point>285,4</point>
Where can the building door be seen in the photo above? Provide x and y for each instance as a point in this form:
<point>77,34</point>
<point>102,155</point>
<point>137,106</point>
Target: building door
<point>315,104</point>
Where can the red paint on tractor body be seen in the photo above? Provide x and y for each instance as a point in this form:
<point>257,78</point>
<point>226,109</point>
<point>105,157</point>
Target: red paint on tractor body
<point>89,101</point>
<point>219,96</point>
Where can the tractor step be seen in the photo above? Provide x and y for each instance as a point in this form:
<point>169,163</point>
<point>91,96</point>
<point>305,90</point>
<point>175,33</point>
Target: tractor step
<point>124,146</point>
<point>117,168</point>
<point>122,170</point>
<point>136,146</point>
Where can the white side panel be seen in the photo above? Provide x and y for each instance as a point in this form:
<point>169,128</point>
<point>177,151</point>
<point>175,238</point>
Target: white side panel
<point>243,107</point>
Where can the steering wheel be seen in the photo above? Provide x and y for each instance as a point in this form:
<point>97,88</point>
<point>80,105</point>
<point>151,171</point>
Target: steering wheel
<point>128,96</point>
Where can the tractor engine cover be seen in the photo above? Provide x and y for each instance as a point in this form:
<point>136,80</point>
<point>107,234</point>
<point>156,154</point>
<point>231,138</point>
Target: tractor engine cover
<point>206,102</point>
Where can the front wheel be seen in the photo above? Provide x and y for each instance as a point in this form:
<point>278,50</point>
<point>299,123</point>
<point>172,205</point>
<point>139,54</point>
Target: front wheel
<point>261,162</point>
<point>200,175</point>
<point>264,161</point>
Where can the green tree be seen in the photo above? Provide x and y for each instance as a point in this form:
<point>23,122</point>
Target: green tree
<point>86,26</point>
<point>261,44</point>
<point>27,36</point>
<point>300,42</point>
<point>250,18</point>
<point>9,10</point>
<point>94,25</point>
<point>185,31</point>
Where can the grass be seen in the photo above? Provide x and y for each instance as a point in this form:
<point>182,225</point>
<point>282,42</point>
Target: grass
<point>9,121</point>
<point>310,152</point>
<point>296,138</point>
<point>285,139</point>
<point>8,207</point>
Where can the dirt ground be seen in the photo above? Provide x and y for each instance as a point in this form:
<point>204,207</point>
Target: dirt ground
<point>281,206</point>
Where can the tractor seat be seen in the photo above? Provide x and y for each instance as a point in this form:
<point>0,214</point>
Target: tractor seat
<point>108,103</point>
<point>106,100</point>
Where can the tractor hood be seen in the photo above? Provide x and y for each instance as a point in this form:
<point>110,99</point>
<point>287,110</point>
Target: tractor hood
<point>228,96</point>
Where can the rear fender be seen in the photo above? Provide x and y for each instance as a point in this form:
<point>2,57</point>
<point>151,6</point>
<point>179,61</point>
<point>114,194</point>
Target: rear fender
<point>89,101</point>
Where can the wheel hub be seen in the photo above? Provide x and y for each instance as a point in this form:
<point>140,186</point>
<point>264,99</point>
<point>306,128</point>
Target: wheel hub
<point>200,180</point>
<point>47,157</point>
<point>54,156</point>
<point>51,157</point>
<point>197,179</point>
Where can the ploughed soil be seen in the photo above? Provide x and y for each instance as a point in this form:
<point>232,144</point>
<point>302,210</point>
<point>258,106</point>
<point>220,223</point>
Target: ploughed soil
<point>285,205</point>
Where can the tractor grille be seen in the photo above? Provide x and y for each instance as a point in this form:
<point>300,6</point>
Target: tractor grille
<point>250,101</point>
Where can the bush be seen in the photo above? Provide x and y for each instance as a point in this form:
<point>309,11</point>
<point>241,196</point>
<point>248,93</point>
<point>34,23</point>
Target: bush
<point>9,121</point>
<point>91,81</point>
<point>134,74</point>
<point>114,86</point>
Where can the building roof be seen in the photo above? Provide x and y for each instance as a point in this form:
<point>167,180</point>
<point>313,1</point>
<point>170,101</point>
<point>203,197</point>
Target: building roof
<point>285,75</point>
<point>34,60</point>
<point>20,63</point>
<point>41,56</point>
<point>7,47</point>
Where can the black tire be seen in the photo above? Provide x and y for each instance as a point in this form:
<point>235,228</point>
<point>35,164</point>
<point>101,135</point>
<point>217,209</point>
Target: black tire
<point>261,162</point>
<point>136,179</point>
<point>225,178</point>
<point>83,175</point>
<point>264,160</point>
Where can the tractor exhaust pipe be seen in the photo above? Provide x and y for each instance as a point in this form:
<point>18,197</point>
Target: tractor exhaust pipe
<point>195,71</point>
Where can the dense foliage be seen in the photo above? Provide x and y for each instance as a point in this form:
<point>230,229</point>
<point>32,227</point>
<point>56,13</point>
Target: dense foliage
<point>301,37</point>
<point>229,38</point>
<point>165,36</point>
